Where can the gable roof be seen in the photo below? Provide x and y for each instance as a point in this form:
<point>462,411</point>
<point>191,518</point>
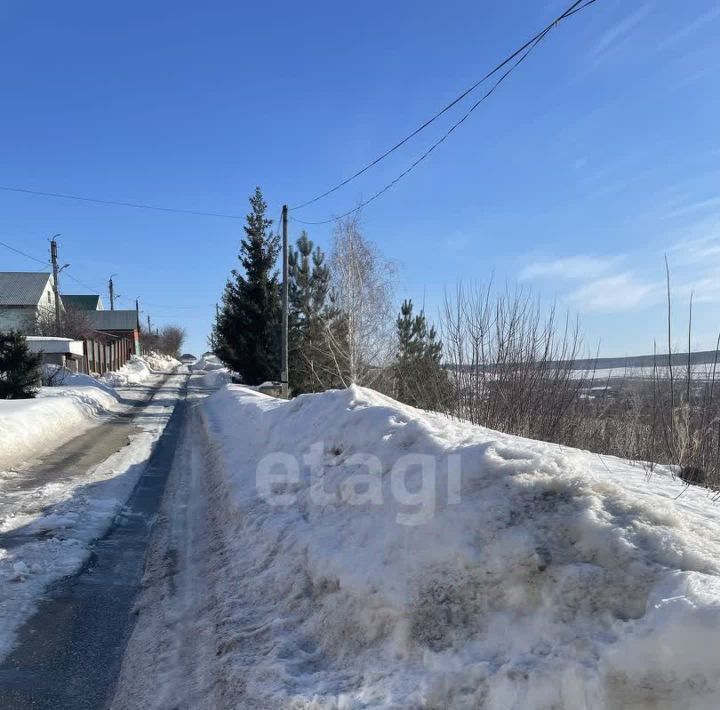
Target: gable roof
<point>22,288</point>
<point>113,320</point>
<point>82,302</point>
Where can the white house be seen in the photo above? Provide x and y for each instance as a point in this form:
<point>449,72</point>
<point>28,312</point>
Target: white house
<point>24,295</point>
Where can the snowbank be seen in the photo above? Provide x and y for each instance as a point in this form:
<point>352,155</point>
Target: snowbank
<point>207,362</point>
<point>31,427</point>
<point>160,362</point>
<point>141,369</point>
<point>215,373</point>
<point>386,557</point>
<point>134,372</point>
<point>217,378</point>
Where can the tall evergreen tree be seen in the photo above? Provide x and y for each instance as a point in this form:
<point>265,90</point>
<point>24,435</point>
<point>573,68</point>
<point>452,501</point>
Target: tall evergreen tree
<point>309,315</point>
<point>19,368</point>
<point>247,331</point>
<point>420,379</point>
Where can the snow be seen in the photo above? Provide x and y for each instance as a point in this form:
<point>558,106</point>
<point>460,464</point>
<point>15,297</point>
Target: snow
<point>141,369</point>
<point>215,374</point>
<point>207,362</point>
<point>50,514</point>
<point>375,555</point>
<point>161,363</point>
<point>31,427</point>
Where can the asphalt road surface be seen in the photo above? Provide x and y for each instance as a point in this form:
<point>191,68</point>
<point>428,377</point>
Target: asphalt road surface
<point>68,654</point>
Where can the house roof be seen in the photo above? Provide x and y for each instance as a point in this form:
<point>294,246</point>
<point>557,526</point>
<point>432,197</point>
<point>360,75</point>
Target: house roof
<point>82,302</point>
<point>113,320</point>
<point>22,288</point>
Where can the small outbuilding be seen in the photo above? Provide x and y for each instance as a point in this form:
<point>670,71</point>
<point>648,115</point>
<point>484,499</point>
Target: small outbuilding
<point>58,351</point>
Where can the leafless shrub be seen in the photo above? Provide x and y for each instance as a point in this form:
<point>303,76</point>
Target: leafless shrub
<point>54,375</point>
<point>684,422</point>
<point>512,363</point>
<point>168,340</point>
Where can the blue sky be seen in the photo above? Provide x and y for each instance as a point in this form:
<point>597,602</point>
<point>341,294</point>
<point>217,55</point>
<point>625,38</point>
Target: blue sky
<point>594,160</point>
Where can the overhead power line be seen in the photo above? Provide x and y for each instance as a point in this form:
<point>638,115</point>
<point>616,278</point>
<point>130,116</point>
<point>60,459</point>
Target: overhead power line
<point>27,256</point>
<point>119,203</point>
<point>92,289</point>
<point>522,52</point>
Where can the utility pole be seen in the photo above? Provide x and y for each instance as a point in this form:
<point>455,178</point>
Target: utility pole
<point>149,328</point>
<point>56,290</point>
<point>137,312</point>
<point>112,293</point>
<point>284,363</point>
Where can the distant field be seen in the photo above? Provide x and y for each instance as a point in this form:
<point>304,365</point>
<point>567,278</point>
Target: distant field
<point>644,362</point>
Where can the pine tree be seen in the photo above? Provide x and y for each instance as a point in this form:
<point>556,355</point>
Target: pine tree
<point>19,368</point>
<point>309,314</point>
<point>247,331</point>
<point>420,379</point>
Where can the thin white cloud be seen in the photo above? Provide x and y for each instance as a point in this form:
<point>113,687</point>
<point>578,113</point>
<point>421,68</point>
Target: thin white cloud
<point>617,33</point>
<point>581,266</point>
<point>697,206</point>
<point>692,27</point>
<point>621,292</point>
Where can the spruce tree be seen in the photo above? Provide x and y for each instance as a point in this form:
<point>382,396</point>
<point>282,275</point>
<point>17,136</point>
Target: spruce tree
<point>247,331</point>
<point>19,368</point>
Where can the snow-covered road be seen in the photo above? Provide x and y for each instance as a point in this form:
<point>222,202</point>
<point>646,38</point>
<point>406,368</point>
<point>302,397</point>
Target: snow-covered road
<point>53,509</point>
<point>172,657</point>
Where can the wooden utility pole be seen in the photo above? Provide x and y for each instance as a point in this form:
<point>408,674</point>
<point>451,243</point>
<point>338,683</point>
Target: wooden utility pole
<point>56,290</point>
<point>284,363</point>
<point>112,293</point>
<point>149,328</point>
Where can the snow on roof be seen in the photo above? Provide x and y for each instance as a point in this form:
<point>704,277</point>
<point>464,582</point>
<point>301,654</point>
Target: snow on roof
<point>22,288</point>
<point>63,346</point>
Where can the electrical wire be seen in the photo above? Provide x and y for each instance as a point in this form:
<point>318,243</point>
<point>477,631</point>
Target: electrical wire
<point>435,145</point>
<point>531,42</point>
<point>118,203</point>
<point>92,289</point>
<point>22,253</point>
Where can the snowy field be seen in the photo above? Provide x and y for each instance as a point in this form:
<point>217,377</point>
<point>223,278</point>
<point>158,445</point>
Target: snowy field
<point>346,551</point>
<point>48,519</point>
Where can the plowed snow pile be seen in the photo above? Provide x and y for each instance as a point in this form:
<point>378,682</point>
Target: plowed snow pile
<point>160,362</point>
<point>528,576</point>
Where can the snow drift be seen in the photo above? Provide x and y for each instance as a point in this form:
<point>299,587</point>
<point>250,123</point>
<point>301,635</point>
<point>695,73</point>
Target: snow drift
<point>31,427</point>
<point>381,556</point>
<point>160,362</point>
<point>215,373</point>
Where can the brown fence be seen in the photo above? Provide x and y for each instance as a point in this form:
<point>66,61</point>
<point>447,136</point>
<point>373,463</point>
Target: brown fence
<point>107,352</point>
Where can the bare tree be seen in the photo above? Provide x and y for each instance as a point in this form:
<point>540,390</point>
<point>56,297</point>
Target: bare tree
<point>171,339</point>
<point>74,323</point>
<point>359,337</point>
